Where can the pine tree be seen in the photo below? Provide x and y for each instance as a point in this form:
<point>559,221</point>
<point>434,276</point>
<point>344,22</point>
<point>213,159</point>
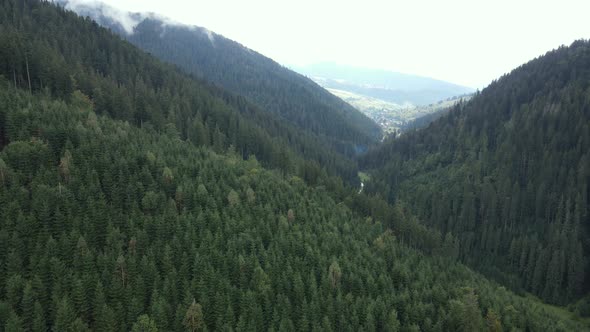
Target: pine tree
<point>14,323</point>
<point>493,321</point>
<point>144,324</point>
<point>39,324</point>
<point>65,316</point>
<point>465,313</point>
<point>105,320</point>
<point>392,324</point>
<point>334,273</point>
<point>79,301</point>
<point>28,306</point>
<point>79,326</point>
<point>193,319</point>
<point>14,290</point>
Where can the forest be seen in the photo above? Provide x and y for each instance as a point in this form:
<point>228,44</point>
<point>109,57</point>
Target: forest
<point>112,227</point>
<point>137,197</point>
<point>269,85</point>
<point>130,85</point>
<point>508,174</point>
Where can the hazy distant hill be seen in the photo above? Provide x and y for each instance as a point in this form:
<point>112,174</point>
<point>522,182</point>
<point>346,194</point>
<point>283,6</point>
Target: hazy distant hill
<point>243,71</point>
<point>425,115</point>
<point>395,117</point>
<point>389,86</point>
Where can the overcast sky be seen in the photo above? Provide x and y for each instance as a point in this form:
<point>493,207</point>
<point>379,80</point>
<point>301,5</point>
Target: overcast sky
<point>468,42</point>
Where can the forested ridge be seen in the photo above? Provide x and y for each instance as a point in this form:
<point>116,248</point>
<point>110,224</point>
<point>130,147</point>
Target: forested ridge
<point>508,174</point>
<point>274,88</point>
<point>114,216</point>
<point>270,85</point>
<point>56,52</point>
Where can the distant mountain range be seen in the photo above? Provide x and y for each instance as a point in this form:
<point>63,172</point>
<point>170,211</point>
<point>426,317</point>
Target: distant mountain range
<point>393,100</point>
<point>395,117</point>
<point>398,88</point>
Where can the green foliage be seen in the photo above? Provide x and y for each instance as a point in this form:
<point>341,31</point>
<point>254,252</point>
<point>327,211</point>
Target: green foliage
<point>508,175</point>
<point>139,223</point>
<point>335,274</point>
<point>73,58</point>
<point>465,314</point>
<point>233,198</point>
<point>144,324</point>
<point>193,320</point>
<point>96,253</point>
<point>272,87</point>
<point>13,323</point>
<point>493,323</point>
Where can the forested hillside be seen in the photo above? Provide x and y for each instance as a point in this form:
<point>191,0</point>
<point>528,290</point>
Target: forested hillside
<point>508,174</point>
<point>129,85</point>
<point>120,211</point>
<point>106,226</point>
<point>243,71</point>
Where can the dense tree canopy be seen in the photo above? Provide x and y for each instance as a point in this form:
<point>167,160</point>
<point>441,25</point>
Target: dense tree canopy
<point>263,81</point>
<point>508,174</point>
<point>126,204</point>
<point>49,50</point>
<point>111,227</point>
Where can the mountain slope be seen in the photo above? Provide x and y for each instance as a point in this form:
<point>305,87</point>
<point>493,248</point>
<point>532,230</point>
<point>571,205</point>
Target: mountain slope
<point>386,85</point>
<point>508,173</point>
<point>122,226</point>
<point>247,73</point>
<point>111,225</point>
<point>128,84</point>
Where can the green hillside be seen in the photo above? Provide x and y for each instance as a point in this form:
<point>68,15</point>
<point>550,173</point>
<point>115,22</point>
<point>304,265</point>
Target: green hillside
<point>508,174</point>
<point>104,222</point>
<point>130,85</point>
<point>127,205</point>
<point>226,63</point>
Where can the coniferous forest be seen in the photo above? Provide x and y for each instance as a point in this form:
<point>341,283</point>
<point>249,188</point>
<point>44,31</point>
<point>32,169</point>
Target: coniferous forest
<point>333,126</point>
<point>508,175</point>
<point>136,197</point>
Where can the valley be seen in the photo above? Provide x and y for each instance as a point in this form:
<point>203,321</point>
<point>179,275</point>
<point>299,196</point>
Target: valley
<point>394,118</point>
<point>393,100</point>
<point>158,176</point>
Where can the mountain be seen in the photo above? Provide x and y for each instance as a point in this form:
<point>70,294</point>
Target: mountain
<point>393,87</point>
<point>391,99</point>
<point>148,92</point>
<point>243,71</point>
<point>508,174</point>
<point>112,220</point>
<point>124,228</point>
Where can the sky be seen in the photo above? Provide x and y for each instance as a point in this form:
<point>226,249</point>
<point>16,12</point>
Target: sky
<point>468,42</point>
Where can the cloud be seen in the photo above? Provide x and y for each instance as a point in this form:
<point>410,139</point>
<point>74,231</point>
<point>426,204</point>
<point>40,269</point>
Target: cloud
<point>100,11</point>
<point>105,14</point>
<point>210,35</point>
